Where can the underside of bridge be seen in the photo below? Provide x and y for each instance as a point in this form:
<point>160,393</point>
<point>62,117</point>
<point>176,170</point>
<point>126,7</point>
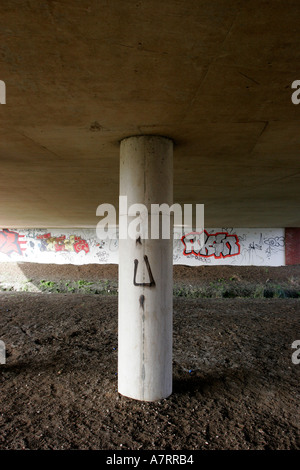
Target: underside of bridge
<point>215,77</point>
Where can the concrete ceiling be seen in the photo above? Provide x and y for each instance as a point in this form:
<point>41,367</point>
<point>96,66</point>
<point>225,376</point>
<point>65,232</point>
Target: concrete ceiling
<point>213,75</point>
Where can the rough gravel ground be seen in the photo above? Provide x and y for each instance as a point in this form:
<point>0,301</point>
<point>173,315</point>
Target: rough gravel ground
<point>235,385</point>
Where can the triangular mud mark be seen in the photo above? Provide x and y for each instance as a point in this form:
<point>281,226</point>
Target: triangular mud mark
<point>151,279</point>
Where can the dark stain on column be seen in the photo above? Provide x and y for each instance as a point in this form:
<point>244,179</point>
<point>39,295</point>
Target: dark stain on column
<point>143,372</point>
<point>142,300</point>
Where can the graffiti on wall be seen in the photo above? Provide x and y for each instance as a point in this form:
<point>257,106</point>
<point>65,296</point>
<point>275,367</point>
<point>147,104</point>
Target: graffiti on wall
<point>10,242</point>
<point>219,245</point>
<point>61,243</point>
<point>273,243</point>
<point>263,250</point>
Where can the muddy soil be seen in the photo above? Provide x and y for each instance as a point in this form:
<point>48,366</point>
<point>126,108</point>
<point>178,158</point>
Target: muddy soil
<point>195,274</point>
<point>234,383</point>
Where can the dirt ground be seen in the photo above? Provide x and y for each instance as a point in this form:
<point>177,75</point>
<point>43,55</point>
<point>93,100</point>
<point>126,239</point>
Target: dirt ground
<point>234,383</point>
<point>36,272</point>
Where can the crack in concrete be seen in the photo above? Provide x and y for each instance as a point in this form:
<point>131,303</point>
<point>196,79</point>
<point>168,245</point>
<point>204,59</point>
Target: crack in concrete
<point>249,78</point>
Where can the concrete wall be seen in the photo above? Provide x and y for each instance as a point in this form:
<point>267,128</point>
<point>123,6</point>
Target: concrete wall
<point>223,246</point>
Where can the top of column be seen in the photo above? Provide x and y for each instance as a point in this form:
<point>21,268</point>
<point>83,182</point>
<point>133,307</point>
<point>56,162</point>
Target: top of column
<point>146,169</point>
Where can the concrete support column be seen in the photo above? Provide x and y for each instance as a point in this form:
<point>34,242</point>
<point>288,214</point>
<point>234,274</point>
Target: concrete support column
<point>145,272</point>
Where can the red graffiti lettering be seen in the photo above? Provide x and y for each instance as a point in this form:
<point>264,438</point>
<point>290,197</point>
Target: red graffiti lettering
<point>10,243</point>
<point>59,244</point>
<point>219,245</point>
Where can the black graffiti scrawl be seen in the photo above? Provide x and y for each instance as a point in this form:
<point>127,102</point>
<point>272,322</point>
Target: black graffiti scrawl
<point>219,245</point>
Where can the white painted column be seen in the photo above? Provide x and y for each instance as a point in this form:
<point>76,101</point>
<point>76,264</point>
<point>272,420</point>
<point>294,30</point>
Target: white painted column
<point>145,273</point>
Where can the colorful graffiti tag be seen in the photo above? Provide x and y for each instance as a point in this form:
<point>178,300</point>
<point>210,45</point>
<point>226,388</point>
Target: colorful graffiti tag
<point>73,243</point>
<point>214,246</point>
<point>10,242</point>
<point>219,245</point>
